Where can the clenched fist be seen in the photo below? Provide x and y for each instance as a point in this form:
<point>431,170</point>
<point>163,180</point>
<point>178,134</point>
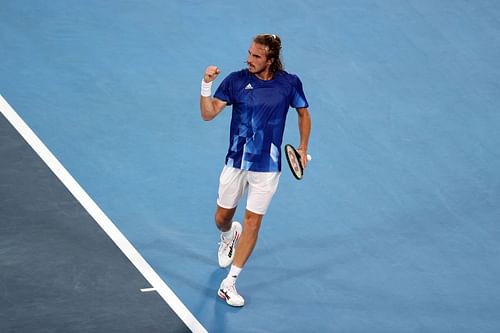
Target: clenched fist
<point>211,73</point>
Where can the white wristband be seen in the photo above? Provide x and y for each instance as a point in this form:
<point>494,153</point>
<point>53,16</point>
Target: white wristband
<point>206,88</point>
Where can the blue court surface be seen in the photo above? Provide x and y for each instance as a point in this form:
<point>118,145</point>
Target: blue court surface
<point>396,225</point>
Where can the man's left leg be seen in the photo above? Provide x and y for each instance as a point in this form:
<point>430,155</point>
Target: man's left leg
<point>246,244</point>
<point>251,227</point>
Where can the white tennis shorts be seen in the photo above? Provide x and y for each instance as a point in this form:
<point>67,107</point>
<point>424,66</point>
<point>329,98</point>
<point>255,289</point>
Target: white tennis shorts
<point>261,187</point>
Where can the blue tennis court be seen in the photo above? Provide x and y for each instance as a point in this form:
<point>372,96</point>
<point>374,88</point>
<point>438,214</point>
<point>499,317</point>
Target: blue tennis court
<point>395,226</point>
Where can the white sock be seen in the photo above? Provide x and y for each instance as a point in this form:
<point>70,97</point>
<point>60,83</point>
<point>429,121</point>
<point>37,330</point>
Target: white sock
<point>234,272</point>
<point>228,234</point>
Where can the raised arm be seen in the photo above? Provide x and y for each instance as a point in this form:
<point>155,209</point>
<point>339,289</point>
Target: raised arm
<point>210,107</point>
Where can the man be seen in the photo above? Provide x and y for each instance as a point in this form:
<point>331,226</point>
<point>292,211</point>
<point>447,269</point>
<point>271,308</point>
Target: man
<point>261,96</point>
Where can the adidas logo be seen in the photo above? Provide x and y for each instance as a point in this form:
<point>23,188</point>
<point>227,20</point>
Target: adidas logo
<point>231,247</point>
<point>249,87</point>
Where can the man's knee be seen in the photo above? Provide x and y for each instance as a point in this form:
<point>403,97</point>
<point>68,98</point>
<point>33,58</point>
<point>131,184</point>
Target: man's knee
<point>223,218</point>
<point>252,222</point>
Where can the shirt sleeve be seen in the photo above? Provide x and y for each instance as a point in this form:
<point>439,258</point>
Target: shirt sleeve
<point>225,92</point>
<point>298,98</point>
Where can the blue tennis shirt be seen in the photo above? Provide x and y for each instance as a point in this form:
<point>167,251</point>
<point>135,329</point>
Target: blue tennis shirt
<point>258,120</point>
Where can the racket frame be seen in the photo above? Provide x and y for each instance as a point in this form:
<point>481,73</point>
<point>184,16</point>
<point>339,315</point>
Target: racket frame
<point>291,164</point>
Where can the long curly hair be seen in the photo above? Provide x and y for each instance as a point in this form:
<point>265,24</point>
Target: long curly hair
<point>273,46</point>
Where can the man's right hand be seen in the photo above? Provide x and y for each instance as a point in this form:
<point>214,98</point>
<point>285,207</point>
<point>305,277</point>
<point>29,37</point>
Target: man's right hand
<point>211,73</point>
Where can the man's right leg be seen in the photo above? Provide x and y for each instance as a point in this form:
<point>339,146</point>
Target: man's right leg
<point>230,235</point>
<point>232,185</point>
<point>224,218</point>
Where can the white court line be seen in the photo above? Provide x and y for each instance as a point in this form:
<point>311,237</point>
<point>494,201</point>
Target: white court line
<point>106,224</point>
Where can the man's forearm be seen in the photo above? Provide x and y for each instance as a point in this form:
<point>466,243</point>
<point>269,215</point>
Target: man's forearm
<point>304,128</point>
<point>207,108</point>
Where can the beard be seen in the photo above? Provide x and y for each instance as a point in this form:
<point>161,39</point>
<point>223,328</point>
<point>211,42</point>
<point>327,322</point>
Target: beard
<point>252,69</point>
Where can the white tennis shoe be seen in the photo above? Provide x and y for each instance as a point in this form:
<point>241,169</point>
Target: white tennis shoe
<point>227,291</point>
<point>227,247</point>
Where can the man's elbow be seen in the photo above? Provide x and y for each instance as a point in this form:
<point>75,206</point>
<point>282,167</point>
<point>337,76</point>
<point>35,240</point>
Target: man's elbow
<point>206,116</point>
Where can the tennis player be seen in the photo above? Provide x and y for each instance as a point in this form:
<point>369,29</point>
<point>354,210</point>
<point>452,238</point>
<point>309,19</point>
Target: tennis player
<point>260,96</point>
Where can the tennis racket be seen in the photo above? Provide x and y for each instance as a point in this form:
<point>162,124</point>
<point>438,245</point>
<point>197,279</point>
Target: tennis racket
<point>294,161</point>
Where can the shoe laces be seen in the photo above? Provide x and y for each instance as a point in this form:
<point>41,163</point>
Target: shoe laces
<point>230,286</point>
<point>224,242</point>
